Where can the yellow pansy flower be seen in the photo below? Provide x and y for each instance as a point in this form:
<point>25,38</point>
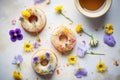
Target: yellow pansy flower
<point>109,29</point>
<point>17,75</point>
<point>79,28</point>
<point>28,47</point>
<point>72,59</point>
<point>26,14</point>
<point>101,67</point>
<point>58,9</point>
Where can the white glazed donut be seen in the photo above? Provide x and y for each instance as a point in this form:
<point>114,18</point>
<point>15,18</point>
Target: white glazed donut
<point>44,62</point>
<point>63,39</point>
<point>36,21</point>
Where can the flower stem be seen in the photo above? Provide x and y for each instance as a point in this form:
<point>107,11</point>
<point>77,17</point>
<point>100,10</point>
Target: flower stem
<point>88,34</point>
<point>67,17</point>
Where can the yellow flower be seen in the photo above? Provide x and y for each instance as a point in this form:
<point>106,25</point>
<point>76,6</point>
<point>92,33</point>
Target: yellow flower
<point>109,29</point>
<point>71,59</point>
<point>26,14</point>
<point>28,47</point>
<point>79,28</point>
<point>101,67</point>
<point>58,9</point>
<point>17,75</point>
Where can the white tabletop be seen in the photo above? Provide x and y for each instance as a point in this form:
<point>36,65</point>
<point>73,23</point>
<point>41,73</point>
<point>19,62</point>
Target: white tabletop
<point>11,9</point>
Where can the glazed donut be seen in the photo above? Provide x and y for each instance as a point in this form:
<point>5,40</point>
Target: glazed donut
<point>44,62</point>
<point>35,20</point>
<point>63,39</point>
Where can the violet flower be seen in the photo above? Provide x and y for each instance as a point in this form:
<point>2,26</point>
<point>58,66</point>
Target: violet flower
<point>15,35</point>
<point>35,59</point>
<point>38,1</point>
<point>48,55</point>
<point>81,50</point>
<point>109,40</point>
<point>80,72</point>
<point>17,60</point>
<point>51,68</point>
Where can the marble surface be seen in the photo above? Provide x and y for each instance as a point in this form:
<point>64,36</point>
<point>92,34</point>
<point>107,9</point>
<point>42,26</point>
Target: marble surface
<point>11,9</point>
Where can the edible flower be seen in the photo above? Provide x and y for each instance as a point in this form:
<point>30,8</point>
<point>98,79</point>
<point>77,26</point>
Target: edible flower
<point>48,56</point>
<point>35,59</point>
<point>93,42</point>
<point>72,59</point>
<point>26,14</point>
<point>79,28</point>
<point>58,9</point>
<point>28,46</point>
<point>82,50</point>
<point>17,60</point>
<point>17,75</point>
<point>101,67</point>
<point>15,35</point>
<point>80,72</point>
<point>109,40</point>
<point>51,68</point>
<point>109,29</point>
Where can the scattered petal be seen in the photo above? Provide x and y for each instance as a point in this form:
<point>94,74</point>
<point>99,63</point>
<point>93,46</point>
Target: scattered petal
<point>13,22</point>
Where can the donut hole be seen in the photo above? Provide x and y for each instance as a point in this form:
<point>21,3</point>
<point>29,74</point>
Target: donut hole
<point>63,37</point>
<point>44,62</point>
<point>33,18</point>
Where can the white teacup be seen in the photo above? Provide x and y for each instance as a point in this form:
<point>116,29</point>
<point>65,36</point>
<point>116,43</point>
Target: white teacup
<point>94,14</point>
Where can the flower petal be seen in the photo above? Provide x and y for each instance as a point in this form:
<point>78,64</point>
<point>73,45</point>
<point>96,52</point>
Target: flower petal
<point>11,32</point>
<point>17,31</point>
<point>19,36</point>
<point>13,38</point>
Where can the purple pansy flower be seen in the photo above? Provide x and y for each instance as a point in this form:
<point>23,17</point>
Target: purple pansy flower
<point>38,1</point>
<point>15,34</point>
<point>17,60</point>
<point>109,40</point>
<point>48,55</point>
<point>80,72</point>
<point>35,59</point>
<point>81,50</point>
<point>51,68</point>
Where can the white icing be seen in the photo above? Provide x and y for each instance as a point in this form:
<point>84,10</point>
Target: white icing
<point>41,19</point>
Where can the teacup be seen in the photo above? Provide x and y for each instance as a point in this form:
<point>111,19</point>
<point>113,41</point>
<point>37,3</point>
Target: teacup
<point>93,12</point>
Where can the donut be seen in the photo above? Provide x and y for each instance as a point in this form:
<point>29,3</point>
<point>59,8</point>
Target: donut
<point>33,20</point>
<point>63,39</point>
<point>44,62</point>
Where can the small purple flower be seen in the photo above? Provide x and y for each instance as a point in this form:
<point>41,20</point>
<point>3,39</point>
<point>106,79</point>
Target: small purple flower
<point>35,59</point>
<point>17,60</point>
<point>81,49</point>
<point>109,40</point>
<point>15,34</point>
<point>38,1</point>
<point>48,55</point>
<point>51,68</point>
<point>80,72</point>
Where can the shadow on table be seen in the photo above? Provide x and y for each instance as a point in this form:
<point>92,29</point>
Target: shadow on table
<point>97,22</point>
